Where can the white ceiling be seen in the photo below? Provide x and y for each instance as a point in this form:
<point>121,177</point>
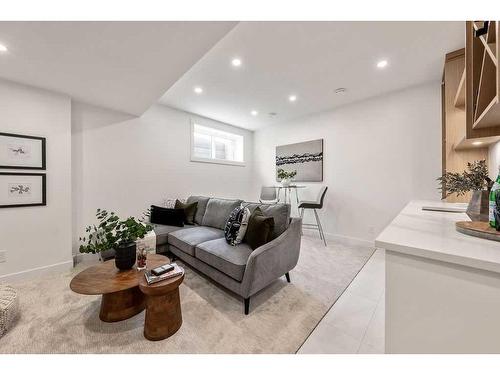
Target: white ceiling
<point>125,66</point>
<point>311,60</point>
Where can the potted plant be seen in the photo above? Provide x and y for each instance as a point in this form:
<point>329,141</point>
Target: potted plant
<point>474,179</point>
<point>286,177</point>
<point>113,233</point>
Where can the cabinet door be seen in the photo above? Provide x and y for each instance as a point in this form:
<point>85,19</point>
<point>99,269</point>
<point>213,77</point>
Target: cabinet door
<point>482,80</point>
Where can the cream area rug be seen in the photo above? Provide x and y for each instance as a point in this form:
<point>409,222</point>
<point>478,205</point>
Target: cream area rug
<point>55,320</point>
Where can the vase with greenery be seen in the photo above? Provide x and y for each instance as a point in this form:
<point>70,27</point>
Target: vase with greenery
<point>286,177</point>
<point>475,179</point>
<point>113,233</point>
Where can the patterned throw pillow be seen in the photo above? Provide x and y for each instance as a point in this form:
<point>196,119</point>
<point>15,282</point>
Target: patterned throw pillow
<point>236,225</point>
<point>243,226</point>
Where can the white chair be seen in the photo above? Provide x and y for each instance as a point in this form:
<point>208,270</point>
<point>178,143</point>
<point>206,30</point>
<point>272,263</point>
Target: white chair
<point>268,195</point>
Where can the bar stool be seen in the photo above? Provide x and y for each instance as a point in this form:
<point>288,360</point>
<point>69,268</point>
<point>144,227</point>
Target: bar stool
<point>314,205</point>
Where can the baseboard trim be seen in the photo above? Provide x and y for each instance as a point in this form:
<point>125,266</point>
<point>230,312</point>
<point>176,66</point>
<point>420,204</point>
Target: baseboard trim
<point>38,271</point>
<point>350,241</point>
<point>85,258</point>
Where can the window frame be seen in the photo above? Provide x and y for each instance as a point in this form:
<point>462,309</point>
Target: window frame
<point>213,160</point>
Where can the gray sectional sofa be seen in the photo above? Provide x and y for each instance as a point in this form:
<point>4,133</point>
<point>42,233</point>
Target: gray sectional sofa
<point>238,268</point>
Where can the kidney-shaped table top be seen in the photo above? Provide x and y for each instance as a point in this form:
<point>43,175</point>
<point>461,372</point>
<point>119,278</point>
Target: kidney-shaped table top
<point>105,278</point>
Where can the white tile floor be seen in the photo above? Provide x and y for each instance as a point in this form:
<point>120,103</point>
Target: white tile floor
<point>355,323</point>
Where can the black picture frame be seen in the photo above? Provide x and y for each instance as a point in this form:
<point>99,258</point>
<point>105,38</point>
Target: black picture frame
<point>44,148</point>
<point>44,190</point>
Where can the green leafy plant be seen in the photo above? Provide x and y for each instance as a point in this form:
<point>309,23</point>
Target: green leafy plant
<point>111,232</point>
<point>284,174</point>
<point>474,178</point>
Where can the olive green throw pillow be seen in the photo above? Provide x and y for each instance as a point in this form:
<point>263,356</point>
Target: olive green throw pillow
<point>189,210</point>
<point>259,230</point>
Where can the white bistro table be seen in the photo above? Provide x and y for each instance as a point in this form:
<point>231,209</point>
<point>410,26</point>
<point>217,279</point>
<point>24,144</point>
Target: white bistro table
<point>288,193</point>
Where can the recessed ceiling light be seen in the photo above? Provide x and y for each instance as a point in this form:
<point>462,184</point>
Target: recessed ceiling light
<point>292,98</point>
<point>382,64</point>
<point>340,90</point>
<point>254,113</point>
<point>477,143</point>
<point>236,62</point>
<point>198,90</point>
<point>3,48</point>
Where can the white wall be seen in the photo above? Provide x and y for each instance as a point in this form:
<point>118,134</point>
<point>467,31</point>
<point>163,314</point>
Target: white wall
<point>494,160</point>
<point>126,164</point>
<point>39,236</point>
<point>379,154</point>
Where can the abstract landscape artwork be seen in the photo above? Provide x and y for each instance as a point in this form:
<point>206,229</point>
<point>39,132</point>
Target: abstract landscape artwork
<point>305,157</point>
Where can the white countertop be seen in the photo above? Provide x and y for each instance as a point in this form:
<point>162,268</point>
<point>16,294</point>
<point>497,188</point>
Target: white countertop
<point>432,235</point>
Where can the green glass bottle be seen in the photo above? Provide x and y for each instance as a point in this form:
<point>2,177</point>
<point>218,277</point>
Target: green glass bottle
<point>495,189</point>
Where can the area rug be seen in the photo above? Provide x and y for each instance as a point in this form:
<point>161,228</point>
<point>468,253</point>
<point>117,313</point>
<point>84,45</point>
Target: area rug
<point>55,320</point>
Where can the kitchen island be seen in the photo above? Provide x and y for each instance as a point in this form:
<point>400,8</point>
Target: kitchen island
<point>442,287</point>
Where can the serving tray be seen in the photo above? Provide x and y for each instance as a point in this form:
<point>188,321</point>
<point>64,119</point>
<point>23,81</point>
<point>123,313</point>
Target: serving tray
<point>479,229</point>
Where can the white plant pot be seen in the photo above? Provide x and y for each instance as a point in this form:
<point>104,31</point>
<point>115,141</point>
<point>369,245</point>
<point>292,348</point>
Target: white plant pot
<point>285,182</point>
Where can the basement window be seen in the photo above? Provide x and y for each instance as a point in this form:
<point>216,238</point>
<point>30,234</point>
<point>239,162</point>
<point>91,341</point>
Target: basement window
<point>211,145</point>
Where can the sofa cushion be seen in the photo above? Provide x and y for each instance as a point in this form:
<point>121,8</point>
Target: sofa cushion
<point>230,260</point>
<point>200,210</point>
<point>280,212</point>
<point>162,232</point>
<point>187,239</point>
<point>218,211</point>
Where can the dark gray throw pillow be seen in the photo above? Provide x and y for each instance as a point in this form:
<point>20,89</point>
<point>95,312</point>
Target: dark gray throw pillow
<point>260,229</point>
<point>189,210</point>
<point>167,216</point>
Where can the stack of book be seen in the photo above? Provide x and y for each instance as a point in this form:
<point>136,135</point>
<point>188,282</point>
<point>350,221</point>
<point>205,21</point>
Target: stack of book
<point>151,279</point>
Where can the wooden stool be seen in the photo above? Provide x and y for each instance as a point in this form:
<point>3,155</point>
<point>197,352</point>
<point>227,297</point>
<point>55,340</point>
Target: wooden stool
<point>163,308</point>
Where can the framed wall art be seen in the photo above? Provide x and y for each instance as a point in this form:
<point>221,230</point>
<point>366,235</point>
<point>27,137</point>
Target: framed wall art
<point>22,151</point>
<point>306,158</point>
<point>22,189</point>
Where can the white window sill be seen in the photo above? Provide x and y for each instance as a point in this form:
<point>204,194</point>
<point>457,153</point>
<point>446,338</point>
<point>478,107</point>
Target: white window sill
<point>219,161</point>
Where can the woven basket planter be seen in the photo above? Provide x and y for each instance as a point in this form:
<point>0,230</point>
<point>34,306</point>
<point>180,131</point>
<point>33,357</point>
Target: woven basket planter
<point>9,308</point>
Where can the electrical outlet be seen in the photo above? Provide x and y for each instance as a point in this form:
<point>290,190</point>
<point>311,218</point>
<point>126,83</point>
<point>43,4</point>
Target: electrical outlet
<point>3,256</point>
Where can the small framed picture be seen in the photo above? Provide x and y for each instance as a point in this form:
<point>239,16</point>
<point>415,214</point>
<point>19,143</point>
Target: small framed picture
<point>22,189</point>
<point>22,151</point>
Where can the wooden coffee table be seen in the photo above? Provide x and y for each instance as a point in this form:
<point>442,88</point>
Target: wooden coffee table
<point>163,308</point>
<point>121,296</point>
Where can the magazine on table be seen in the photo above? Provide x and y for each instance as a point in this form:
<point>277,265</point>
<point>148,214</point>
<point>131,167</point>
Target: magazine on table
<point>151,279</point>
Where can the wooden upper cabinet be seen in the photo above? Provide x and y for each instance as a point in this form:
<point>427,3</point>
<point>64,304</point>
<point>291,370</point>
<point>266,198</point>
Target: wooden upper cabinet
<point>457,151</point>
<point>482,80</point>
<point>470,99</point>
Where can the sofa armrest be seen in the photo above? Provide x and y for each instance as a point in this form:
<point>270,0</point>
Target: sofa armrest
<point>272,260</point>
